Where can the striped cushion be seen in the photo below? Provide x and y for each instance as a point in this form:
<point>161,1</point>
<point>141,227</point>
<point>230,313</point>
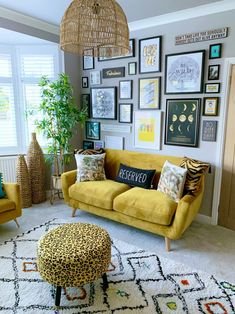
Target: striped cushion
<point>89,151</point>
<point>196,169</point>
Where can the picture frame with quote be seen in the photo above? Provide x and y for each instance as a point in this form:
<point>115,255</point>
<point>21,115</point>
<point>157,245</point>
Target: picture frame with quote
<point>88,60</point>
<point>131,54</point>
<point>150,50</point>
<point>209,131</point>
<point>149,93</point>
<point>184,72</point>
<point>182,122</point>
<point>125,89</point>
<point>213,72</point>
<point>93,130</point>
<point>125,113</point>
<point>95,78</point>
<point>210,106</point>
<point>104,103</point>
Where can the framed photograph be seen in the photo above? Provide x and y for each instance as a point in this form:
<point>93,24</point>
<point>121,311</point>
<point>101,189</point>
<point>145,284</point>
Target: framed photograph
<point>88,60</point>
<point>88,145</point>
<point>92,130</point>
<point>182,122</point>
<point>95,78</point>
<point>132,68</point>
<point>85,83</point>
<point>210,106</point>
<point>209,130</point>
<point>184,72</point>
<point>104,103</point>
<point>149,93</point>
<point>129,55</point>
<point>211,88</point>
<point>85,103</point>
<point>147,129</point>
<point>98,144</point>
<point>213,72</point>
<point>125,113</point>
<point>215,51</point>
<point>125,89</point>
<point>150,54</point>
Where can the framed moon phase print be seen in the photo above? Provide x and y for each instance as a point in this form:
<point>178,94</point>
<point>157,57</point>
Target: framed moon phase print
<point>182,122</point>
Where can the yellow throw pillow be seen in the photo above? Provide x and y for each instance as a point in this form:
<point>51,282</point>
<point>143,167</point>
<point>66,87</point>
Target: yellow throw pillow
<point>90,167</point>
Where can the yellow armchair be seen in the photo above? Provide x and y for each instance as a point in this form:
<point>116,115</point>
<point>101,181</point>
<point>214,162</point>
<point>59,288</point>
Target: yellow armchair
<point>10,206</point>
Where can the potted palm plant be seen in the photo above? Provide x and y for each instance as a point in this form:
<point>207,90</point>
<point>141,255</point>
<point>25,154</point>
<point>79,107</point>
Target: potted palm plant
<point>60,115</point>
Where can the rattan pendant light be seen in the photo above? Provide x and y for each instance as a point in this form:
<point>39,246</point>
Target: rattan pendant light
<point>100,25</point>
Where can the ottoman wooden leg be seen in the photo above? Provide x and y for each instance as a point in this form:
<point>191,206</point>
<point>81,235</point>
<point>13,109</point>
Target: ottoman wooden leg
<point>105,282</point>
<point>57,296</point>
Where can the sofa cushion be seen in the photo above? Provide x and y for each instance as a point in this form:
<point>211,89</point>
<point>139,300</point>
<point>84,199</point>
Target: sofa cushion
<point>149,205</point>
<point>6,205</point>
<point>90,167</point>
<point>97,193</point>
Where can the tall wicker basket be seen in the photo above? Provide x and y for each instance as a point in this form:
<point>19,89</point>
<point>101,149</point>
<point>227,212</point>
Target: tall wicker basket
<point>37,171</point>
<point>22,178</point>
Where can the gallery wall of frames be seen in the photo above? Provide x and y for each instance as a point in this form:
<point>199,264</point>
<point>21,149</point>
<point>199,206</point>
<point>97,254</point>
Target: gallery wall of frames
<point>165,97</point>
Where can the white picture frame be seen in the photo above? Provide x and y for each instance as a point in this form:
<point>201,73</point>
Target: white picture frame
<point>95,78</point>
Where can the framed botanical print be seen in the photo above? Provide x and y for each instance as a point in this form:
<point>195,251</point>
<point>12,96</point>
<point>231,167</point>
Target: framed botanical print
<point>212,88</point>
<point>125,113</point>
<point>85,103</point>
<point>85,83</point>
<point>213,72</point>
<point>92,130</point>
<point>132,68</point>
<point>104,103</point>
<point>88,60</point>
<point>95,78</point>
<point>215,51</point>
<point>210,106</point>
<point>125,89</point>
<point>150,54</point>
<point>147,129</point>
<point>149,93</point>
<point>129,55</point>
<point>184,72</point>
<point>209,131</point>
<point>182,122</point>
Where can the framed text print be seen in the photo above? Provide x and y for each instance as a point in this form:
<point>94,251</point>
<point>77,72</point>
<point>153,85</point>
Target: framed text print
<point>184,72</point>
<point>150,54</point>
<point>104,103</point>
<point>149,93</point>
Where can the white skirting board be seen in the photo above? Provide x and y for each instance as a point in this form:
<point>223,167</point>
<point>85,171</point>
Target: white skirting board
<point>203,219</point>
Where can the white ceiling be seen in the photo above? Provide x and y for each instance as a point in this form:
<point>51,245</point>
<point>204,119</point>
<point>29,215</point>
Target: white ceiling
<point>52,11</point>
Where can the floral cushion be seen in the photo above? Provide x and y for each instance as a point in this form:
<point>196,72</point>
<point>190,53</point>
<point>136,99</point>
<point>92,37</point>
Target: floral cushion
<point>90,167</point>
<point>172,181</point>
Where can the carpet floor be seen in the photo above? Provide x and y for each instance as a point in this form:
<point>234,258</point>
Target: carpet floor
<point>139,282</point>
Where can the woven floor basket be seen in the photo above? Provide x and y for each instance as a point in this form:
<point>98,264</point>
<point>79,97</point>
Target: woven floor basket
<point>37,171</point>
<point>22,178</point>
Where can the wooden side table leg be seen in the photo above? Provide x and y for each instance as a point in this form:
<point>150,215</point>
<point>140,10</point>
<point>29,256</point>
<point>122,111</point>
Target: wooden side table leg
<point>57,296</point>
<point>105,282</point>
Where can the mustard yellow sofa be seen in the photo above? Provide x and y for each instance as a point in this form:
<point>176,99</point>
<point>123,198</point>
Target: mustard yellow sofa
<point>149,210</point>
<point>10,206</point>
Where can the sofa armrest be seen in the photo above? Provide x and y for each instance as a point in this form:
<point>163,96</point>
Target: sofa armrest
<point>13,193</point>
<point>68,179</point>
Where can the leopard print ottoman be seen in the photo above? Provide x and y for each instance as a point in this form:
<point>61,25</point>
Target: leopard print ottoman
<point>73,255</point>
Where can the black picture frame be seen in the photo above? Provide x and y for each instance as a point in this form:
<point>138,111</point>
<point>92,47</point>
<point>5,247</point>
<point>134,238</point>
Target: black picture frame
<point>125,113</point>
<point>88,62</point>
<point>215,51</point>
<point>177,66</point>
<point>129,93</point>
<point>213,72</point>
<point>93,130</point>
<point>150,54</point>
<point>209,130</point>
<point>182,122</point>
<point>110,73</point>
<point>104,103</point>
<point>134,64</point>
<point>210,109</point>
<point>85,82</point>
<point>209,88</point>
<point>86,103</point>
<point>87,144</point>
<point>149,91</point>
<point>130,55</point>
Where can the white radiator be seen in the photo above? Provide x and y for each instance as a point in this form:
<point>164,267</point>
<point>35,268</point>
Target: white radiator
<point>8,168</point>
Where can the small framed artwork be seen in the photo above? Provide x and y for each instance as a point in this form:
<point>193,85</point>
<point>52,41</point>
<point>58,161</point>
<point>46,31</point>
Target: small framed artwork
<point>132,68</point>
<point>211,88</point>
<point>215,51</point>
<point>184,72</point>
<point>129,55</point>
<point>85,103</point>
<point>104,103</point>
<point>149,93</point>
<point>88,145</point>
<point>182,122</point>
<point>88,60</point>
<point>95,78</point>
<point>92,130</point>
<point>210,106</point>
<point>85,83</point>
<point>147,129</point>
<point>125,89</point>
<point>150,54</point>
<point>98,144</point>
<point>213,72</point>
<point>125,113</point>
<point>209,130</point>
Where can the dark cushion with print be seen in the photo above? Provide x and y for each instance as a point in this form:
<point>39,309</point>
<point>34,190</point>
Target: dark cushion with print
<point>135,177</point>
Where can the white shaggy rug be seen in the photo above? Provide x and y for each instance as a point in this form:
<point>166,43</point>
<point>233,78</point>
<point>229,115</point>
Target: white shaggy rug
<point>139,282</point>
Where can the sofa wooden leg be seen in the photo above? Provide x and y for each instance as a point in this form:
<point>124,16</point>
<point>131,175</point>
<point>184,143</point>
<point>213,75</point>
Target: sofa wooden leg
<point>74,211</point>
<point>15,220</point>
<point>168,244</point>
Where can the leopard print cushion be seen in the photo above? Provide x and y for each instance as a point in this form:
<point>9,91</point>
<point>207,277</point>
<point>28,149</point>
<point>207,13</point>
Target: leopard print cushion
<point>74,254</point>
